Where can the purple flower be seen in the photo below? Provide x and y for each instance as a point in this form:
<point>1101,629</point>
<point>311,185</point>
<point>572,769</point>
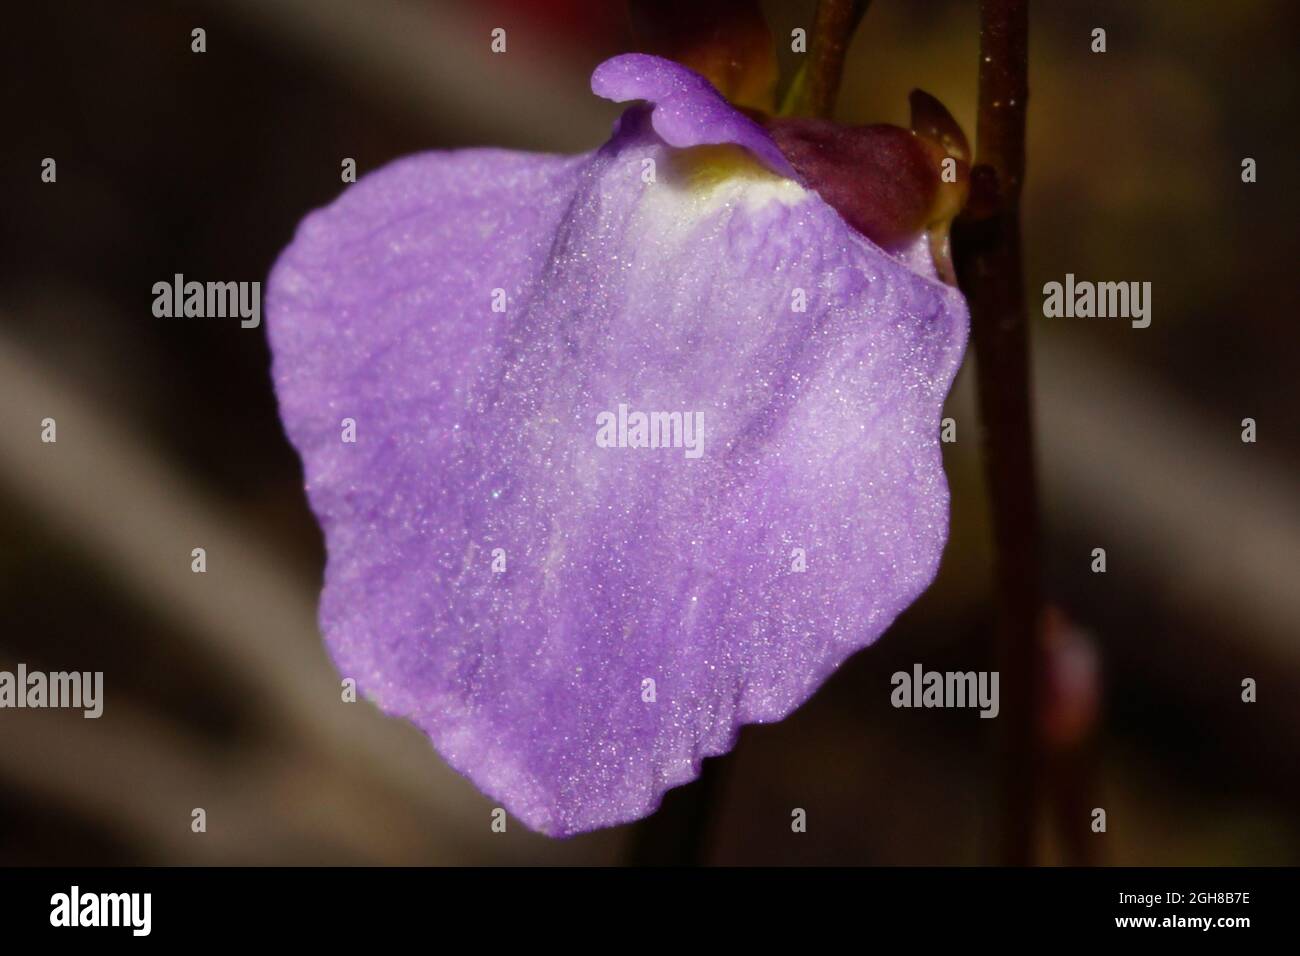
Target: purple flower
<point>573,619</point>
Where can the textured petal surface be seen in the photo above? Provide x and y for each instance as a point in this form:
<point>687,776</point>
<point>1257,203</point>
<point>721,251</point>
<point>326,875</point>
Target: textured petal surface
<point>476,442</point>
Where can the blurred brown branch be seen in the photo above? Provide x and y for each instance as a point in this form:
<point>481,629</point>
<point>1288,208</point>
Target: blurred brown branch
<point>986,243</point>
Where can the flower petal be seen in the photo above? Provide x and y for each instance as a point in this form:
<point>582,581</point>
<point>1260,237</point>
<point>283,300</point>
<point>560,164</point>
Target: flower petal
<point>476,431</point>
<point>688,111</point>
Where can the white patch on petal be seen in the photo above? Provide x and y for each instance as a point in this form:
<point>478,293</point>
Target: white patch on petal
<point>703,181</point>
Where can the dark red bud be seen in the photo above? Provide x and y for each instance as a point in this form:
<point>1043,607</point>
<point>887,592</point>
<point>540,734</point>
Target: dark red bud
<point>882,179</point>
<point>931,119</point>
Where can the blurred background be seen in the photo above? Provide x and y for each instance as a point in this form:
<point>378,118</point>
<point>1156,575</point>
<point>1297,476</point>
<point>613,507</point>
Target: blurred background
<point>218,692</point>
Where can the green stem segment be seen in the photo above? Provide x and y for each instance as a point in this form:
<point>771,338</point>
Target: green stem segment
<point>987,247</point>
<point>833,30</point>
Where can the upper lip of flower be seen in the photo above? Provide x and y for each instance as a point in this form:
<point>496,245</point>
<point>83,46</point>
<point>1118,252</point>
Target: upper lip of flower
<point>686,109</point>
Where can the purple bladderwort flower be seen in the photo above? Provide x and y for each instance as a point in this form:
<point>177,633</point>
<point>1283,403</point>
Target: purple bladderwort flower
<point>646,443</point>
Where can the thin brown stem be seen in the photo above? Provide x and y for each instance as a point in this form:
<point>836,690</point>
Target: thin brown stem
<point>832,31</point>
<point>987,248</point>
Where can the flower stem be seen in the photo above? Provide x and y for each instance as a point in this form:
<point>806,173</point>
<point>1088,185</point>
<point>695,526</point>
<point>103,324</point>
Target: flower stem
<point>986,243</point>
<point>833,30</point>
